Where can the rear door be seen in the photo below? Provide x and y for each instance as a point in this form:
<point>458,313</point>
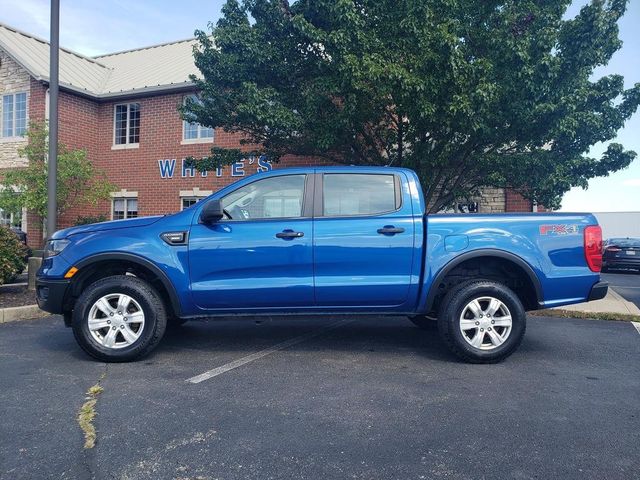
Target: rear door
<point>363,240</point>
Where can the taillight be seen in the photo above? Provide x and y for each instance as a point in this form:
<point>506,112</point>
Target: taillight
<point>593,247</point>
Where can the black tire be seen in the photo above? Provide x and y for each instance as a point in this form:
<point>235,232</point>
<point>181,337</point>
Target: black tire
<point>452,307</point>
<point>423,322</point>
<point>155,318</point>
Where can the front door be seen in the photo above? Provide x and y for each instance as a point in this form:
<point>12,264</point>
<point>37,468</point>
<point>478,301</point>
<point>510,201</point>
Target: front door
<point>259,255</point>
<point>363,240</point>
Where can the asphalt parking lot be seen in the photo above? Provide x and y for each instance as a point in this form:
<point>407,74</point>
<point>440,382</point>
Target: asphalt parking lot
<point>625,283</point>
<point>365,398</point>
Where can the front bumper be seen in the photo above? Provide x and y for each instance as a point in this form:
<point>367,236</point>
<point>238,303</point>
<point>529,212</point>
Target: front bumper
<point>598,291</point>
<point>50,294</point>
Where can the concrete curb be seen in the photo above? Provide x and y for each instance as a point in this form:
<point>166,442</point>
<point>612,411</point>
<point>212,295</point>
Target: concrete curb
<point>612,303</point>
<point>630,306</point>
<point>15,314</point>
<point>9,285</point>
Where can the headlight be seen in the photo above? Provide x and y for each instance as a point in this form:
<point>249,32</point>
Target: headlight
<point>54,247</point>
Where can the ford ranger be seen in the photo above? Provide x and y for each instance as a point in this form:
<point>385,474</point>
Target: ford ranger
<point>334,240</point>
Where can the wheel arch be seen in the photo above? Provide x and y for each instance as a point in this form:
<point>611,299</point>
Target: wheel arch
<point>88,265</point>
<point>489,254</point>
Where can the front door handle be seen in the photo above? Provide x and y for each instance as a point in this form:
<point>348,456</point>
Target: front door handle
<point>289,234</point>
<point>390,230</point>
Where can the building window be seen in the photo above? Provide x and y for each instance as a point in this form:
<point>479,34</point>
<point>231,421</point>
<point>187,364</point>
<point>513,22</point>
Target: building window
<point>124,208</point>
<point>189,201</point>
<point>126,125</point>
<point>8,219</point>
<point>192,196</point>
<point>14,115</point>
<point>194,132</point>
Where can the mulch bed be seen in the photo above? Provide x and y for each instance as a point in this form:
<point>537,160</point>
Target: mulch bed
<point>16,296</point>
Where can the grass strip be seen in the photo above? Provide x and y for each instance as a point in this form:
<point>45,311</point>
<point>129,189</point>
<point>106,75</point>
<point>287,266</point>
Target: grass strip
<point>558,312</point>
<point>87,413</point>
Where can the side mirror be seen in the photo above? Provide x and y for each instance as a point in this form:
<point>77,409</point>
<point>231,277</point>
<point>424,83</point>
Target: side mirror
<point>212,212</point>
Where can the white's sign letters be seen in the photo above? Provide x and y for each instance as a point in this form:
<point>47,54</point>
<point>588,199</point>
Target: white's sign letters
<point>241,168</point>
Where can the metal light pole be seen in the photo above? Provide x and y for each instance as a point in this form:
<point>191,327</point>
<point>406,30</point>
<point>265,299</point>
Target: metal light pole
<point>52,164</point>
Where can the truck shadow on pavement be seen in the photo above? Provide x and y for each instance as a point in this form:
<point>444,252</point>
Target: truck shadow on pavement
<point>237,337</point>
<point>243,336</point>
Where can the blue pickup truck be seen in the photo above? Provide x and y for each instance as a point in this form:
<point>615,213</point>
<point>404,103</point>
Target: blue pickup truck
<point>351,240</point>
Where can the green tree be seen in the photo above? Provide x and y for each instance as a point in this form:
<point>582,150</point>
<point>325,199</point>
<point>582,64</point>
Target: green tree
<point>12,255</point>
<point>78,180</point>
<point>468,93</point>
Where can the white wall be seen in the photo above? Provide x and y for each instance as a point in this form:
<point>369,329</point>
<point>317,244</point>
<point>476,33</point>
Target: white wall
<point>619,224</point>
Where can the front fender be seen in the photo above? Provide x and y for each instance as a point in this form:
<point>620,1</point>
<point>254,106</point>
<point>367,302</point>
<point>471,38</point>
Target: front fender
<point>174,299</point>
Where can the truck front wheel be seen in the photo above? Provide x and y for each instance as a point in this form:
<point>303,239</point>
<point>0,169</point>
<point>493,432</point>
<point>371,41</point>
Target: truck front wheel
<point>119,319</point>
<point>482,321</point>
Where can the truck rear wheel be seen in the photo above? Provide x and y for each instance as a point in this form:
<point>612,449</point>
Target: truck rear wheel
<point>482,321</point>
<point>119,319</point>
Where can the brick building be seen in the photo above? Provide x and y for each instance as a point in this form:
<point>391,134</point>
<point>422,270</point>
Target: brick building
<point>122,108</point>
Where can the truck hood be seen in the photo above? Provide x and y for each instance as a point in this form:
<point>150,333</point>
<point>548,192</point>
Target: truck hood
<point>99,227</point>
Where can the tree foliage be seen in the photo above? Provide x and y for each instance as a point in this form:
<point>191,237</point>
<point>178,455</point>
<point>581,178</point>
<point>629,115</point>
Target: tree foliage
<point>468,93</point>
<point>12,255</point>
<point>79,182</point>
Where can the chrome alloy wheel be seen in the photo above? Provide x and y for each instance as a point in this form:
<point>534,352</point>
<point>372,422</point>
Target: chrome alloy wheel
<point>116,320</point>
<point>485,323</point>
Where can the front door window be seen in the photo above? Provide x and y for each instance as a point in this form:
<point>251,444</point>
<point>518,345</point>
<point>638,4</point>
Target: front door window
<point>274,197</point>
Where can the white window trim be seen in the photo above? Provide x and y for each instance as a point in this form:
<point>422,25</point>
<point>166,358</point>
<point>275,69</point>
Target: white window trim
<point>199,139</point>
<point>195,192</point>
<point>25,223</point>
<point>124,193</point>
<point>192,141</point>
<point>13,138</point>
<point>125,146</point>
<point>122,146</point>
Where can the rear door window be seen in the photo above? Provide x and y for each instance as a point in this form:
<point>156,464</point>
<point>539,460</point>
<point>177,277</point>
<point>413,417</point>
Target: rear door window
<point>348,194</point>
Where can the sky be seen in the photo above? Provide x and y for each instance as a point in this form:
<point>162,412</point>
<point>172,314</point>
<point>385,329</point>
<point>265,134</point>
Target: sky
<point>92,28</point>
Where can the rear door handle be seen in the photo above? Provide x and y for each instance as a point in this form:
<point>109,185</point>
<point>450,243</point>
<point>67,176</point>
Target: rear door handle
<point>390,230</point>
<point>288,234</point>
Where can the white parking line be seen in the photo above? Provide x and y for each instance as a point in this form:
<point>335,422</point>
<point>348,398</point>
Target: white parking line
<point>263,353</point>
<point>637,325</point>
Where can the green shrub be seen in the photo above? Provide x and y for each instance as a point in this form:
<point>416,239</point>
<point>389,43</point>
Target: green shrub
<point>12,255</point>
<point>90,219</point>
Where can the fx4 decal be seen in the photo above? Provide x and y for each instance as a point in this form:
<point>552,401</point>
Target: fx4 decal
<point>559,229</point>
